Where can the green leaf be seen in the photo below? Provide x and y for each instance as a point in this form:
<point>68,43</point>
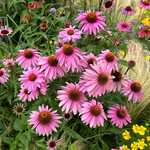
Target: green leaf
<point>23,139</point>
<point>13,147</point>
<point>17,124</point>
<point>104,145</point>
<point>124,62</point>
<point>2,126</point>
<point>42,145</point>
<point>74,134</point>
<point>116,130</point>
<point>8,140</point>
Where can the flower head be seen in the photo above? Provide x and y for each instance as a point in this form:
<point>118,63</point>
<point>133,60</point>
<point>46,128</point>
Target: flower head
<point>50,65</point>
<point>45,121</point>
<point>28,58</point>
<point>59,42</point>
<point>67,116</point>
<point>119,116</point>
<point>124,147</point>
<point>144,4</point>
<point>146,21</point>
<point>126,135</point>
<point>118,81</point>
<point>18,109</point>
<point>109,5</point>
<point>26,94</point>
<point>52,10</point>
<point>91,22</point>
<point>145,32</point>
<point>109,59</point>
<point>4,30</point>
<point>128,10</point>
<point>70,34</point>
<point>124,26</point>
<point>136,128</point>
<point>93,114</point>
<point>71,98</point>
<point>135,145</point>
<point>8,62</point>
<point>32,79</point>
<point>52,144</point>
<point>3,76</point>
<point>142,130</point>
<point>43,26</point>
<point>70,57</point>
<point>88,60</point>
<point>133,89</point>
<point>96,80</point>
<point>26,17</point>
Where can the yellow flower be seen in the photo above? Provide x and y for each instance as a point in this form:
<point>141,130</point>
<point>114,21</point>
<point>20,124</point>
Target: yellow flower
<point>142,144</point>
<point>142,130</point>
<point>60,13</point>
<point>146,21</point>
<point>126,135</point>
<point>147,57</point>
<point>125,147</point>
<point>148,138</point>
<point>121,52</point>
<point>134,145</point>
<point>50,42</point>
<point>135,128</point>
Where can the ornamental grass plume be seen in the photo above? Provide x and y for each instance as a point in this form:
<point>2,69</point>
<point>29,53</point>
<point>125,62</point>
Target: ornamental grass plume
<point>79,145</point>
<point>137,52</point>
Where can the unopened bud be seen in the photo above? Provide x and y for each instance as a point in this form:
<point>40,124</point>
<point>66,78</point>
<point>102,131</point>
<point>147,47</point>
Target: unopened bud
<point>43,18</point>
<point>131,63</point>
<point>67,24</point>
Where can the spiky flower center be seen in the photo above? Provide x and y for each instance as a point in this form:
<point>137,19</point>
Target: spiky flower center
<point>91,17</point>
<point>1,73</point>
<point>128,8</point>
<point>28,53</point>
<point>146,30</point>
<point>146,2</point>
<point>74,95</point>
<point>124,25</point>
<point>19,109</point>
<point>26,91</point>
<point>110,57</point>
<point>95,110</point>
<point>103,78</point>
<point>70,32</point>
<point>136,87</point>
<point>67,115</point>
<point>52,61</point>
<point>67,49</point>
<point>108,4</point>
<point>121,113</point>
<point>32,77</point>
<point>117,74</point>
<point>52,144</point>
<point>91,61</point>
<point>5,32</point>
<point>44,117</point>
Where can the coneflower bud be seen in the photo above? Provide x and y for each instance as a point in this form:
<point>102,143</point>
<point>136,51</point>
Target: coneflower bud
<point>131,63</point>
<point>67,24</point>
<point>43,18</point>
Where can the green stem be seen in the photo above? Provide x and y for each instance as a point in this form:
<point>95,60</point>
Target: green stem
<point>86,43</point>
<point>8,44</point>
